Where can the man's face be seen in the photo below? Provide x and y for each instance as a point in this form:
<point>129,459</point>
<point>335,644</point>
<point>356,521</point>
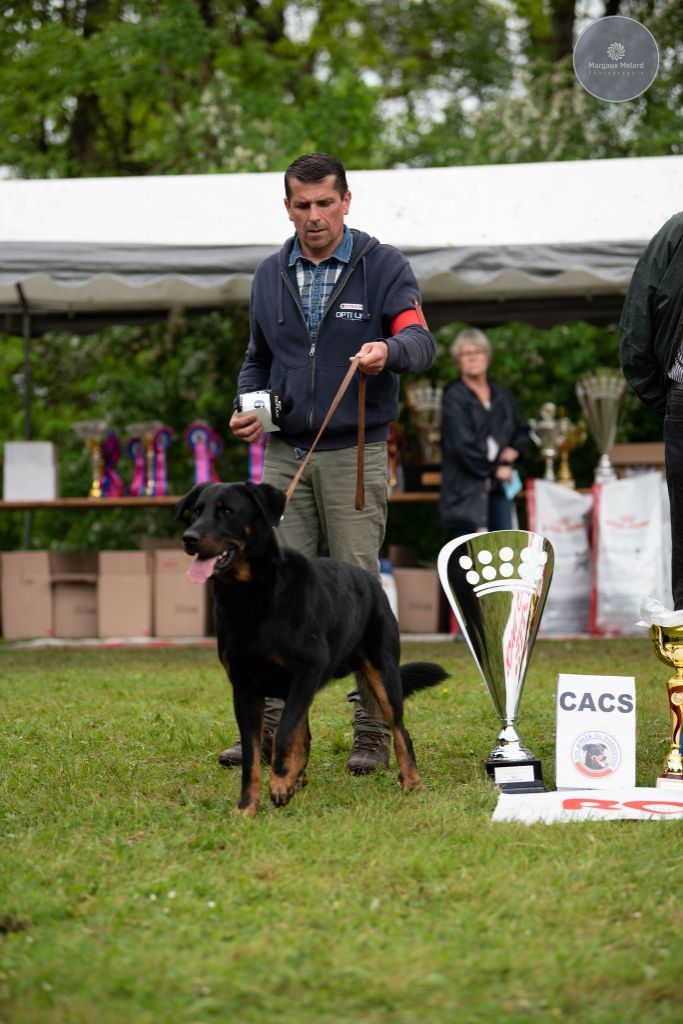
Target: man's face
<point>317,212</point>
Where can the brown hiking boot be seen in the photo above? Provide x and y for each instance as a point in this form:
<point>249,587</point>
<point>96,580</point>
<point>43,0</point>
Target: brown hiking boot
<point>232,757</point>
<point>369,752</point>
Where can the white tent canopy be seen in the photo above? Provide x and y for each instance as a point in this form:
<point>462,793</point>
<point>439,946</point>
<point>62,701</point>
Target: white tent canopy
<point>541,242</point>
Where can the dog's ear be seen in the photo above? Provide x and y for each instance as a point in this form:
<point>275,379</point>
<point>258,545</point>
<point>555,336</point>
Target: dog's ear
<point>187,503</point>
<point>269,499</point>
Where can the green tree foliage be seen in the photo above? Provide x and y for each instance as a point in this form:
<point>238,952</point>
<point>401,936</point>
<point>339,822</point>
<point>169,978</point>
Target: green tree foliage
<point>94,87</point>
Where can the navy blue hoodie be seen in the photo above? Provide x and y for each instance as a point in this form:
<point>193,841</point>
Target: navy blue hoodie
<point>371,291</point>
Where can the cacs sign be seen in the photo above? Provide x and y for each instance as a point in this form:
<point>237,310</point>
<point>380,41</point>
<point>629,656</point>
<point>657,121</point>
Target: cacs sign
<point>596,732</point>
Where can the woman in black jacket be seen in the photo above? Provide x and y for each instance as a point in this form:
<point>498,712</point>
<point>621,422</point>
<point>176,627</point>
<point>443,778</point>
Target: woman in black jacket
<point>483,436</point>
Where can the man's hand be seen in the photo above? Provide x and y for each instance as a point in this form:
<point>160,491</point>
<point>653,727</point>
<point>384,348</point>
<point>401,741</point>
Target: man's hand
<point>247,426</point>
<point>508,455</point>
<point>504,473</point>
<point>373,356</point>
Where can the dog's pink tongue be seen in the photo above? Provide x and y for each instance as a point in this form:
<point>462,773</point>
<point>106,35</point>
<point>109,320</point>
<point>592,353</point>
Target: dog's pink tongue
<point>201,569</point>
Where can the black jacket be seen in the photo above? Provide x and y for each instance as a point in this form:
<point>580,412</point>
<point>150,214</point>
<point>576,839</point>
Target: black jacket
<point>467,472</point>
<point>372,290</point>
<point>651,325</point>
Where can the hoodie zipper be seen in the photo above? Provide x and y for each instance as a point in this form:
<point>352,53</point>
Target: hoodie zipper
<point>341,284</point>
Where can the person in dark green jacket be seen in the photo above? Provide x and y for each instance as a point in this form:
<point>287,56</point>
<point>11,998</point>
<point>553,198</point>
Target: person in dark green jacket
<point>651,342</point>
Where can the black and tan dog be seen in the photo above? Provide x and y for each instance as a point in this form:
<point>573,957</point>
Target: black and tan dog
<point>286,625</point>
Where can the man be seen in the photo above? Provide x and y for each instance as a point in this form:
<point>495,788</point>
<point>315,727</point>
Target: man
<point>651,333</point>
<point>330,294</point>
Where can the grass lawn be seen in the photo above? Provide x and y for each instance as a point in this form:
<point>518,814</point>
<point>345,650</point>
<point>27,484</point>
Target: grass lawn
<point>131,894</point>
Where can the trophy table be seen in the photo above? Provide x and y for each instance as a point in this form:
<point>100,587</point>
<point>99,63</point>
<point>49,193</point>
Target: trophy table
<point>668,643</point>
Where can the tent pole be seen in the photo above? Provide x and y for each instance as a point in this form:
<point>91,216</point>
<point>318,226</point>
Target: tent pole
<point>28,389</point>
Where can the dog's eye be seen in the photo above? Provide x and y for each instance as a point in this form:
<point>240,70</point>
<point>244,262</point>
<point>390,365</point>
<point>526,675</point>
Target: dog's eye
<point>226,511</point>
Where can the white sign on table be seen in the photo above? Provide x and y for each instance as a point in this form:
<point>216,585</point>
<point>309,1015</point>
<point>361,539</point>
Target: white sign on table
<point>596,732</point>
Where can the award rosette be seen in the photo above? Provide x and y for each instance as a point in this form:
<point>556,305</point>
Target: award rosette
<point>111,483</point>
<point>497,584</point>
<point>205,445</point>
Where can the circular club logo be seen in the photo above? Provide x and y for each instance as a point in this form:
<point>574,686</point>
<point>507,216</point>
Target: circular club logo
<point>596,754</point>
<point>616,59</point>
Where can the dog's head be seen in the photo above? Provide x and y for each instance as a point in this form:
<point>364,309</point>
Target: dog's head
<point>230,525</point>
<point>595,756</point>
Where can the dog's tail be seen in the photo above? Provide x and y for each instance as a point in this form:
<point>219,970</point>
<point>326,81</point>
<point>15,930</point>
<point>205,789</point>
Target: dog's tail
<point>419,675</point>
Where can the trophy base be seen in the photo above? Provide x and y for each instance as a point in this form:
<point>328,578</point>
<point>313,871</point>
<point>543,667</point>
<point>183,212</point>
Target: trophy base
<point>670,782</point>
<point>516,776</point>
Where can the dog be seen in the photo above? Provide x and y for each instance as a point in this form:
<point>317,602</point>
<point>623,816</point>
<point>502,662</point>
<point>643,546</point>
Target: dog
<point>286,625</point>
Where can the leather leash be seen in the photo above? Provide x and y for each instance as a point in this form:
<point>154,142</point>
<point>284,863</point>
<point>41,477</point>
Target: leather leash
<point>360,464</point>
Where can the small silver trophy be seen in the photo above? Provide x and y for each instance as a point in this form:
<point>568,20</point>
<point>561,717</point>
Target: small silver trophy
<point>548,433</point>
<point>497,584</point>
<point>601,395</point>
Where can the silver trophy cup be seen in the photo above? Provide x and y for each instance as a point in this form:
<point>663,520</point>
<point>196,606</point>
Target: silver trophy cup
<point>601,395</point>
<point>497,584</point>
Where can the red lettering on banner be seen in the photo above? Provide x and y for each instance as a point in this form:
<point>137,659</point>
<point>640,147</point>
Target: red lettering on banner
<point>655,806</point>
<point>579,803</point>
<point>646,806</point>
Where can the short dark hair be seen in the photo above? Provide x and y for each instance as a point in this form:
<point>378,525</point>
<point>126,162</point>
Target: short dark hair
<point>313,167</point>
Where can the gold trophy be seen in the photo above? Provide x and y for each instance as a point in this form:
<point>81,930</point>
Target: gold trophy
<point>572,435</point>
<point>668,642</point>
<point>92,433</point>
<point>423,400</point>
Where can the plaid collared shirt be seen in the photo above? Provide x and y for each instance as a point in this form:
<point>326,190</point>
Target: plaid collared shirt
<point>676,371</point>
<point>316,280</point>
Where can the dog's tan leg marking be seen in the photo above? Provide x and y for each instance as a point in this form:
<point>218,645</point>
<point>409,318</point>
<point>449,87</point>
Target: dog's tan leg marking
<point>283,787</point>
<point>252,793</point>
<point>409,776</point>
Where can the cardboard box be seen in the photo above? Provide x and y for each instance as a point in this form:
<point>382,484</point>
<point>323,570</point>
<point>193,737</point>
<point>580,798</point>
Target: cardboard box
<point>73,579</point>
<point>420,605</point>
<point>26,595</point>
<point>179,606</point>
<point>124,594</point>
<point>30,471</point>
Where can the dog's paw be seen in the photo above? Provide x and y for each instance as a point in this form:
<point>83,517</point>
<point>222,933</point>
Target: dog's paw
<point>248,811</point>
<point>410,783</point>
<point>282,790</point>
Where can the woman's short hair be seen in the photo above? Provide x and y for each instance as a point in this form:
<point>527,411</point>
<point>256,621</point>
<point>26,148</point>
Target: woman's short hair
<point>470,336</point>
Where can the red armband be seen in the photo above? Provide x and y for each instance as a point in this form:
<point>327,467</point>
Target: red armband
<point>409,317</point>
